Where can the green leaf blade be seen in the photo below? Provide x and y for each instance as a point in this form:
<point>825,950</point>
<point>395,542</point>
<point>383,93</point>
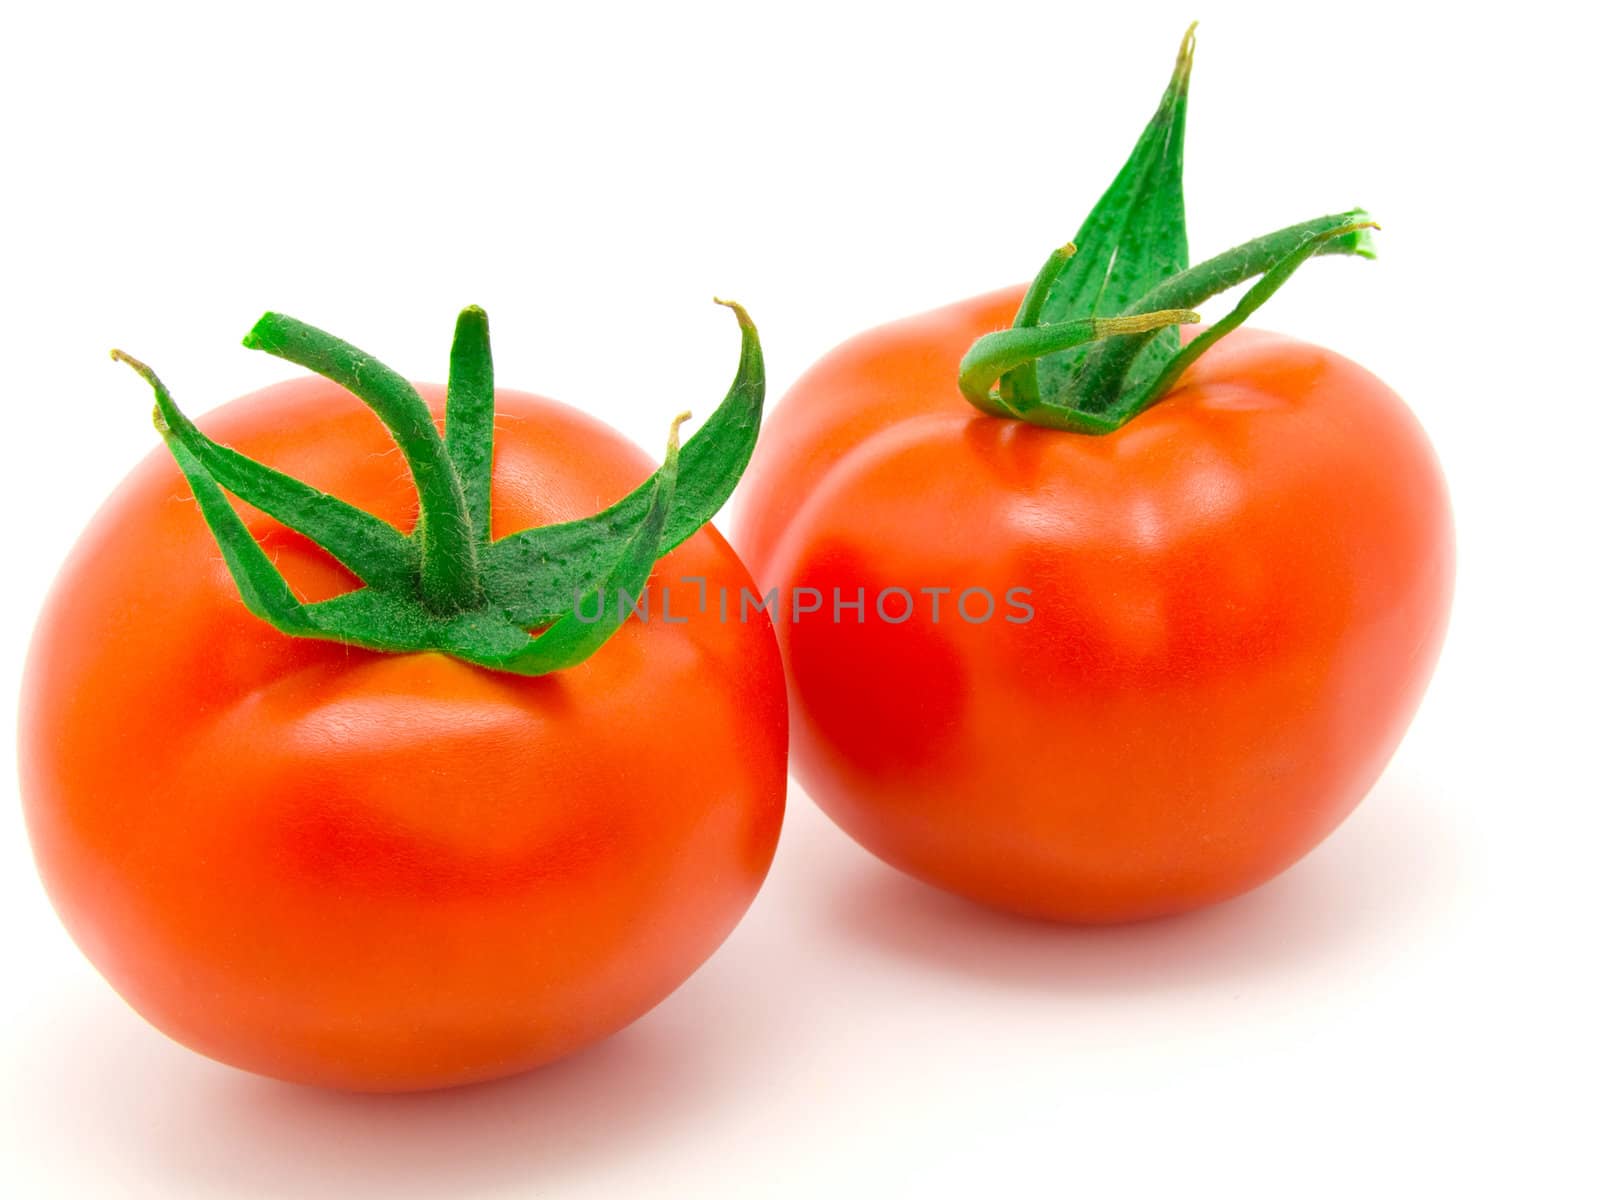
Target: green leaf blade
<point>600,557</point>
<point>262,587</point>
<point>370,548</point>
<point>1135,236</point>
<point>450,579</point>
<point>534,574</point>
<point>1108,384</point>
<point>1274,258</point>
<point>574,636</point>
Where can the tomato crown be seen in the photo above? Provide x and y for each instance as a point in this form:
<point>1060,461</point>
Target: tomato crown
<point>1094,342</point>
<point>446,585</point>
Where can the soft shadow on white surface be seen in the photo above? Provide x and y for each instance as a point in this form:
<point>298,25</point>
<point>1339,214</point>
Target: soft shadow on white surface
<point>1371,886</point>
<point>747,1062</point>
<point>170,1124</point>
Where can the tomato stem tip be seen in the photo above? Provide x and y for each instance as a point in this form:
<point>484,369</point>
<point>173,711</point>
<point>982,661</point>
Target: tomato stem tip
<point>1093,343</point>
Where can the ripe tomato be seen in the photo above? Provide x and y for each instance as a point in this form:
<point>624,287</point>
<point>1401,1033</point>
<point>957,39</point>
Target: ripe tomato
<point>388,871</point>
<point>1237,599</point>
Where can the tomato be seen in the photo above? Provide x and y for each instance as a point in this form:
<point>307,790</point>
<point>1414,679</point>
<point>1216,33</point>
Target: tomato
<point>1237,598</point>
<point>388,871</point>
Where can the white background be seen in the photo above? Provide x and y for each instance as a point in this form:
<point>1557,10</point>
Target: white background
<point>1409,1011</point>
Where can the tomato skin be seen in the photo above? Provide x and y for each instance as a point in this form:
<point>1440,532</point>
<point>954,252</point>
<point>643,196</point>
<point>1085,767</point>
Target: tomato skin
<point>388,872</point>
<point>1238,599</point>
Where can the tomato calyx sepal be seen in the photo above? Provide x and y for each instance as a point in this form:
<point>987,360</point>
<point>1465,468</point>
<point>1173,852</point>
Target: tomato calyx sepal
<point>992,357</point>
<point>1094,342</point>
<point>530,603</point>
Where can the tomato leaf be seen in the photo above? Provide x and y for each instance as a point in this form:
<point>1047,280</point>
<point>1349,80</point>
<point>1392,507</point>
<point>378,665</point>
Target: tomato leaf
<point>1071,361</point>
<point>261,585</point>
<point>1134,237</point>
<point>575,636</point>
<point>549,578</point>
<point>372,549</point>
<point>535,574</point>
<point>449,572</point>
<point>996,353</point>
<point>1274,257</point>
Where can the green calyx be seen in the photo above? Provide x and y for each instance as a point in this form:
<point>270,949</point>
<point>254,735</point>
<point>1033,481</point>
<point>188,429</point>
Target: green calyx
<point>1095,342</point>
<point>535,601</point>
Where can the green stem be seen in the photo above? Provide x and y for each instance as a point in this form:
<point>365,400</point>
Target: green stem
<point>992,355</point>
<point>548,579</point>
<point>449,567</point>
<point>1019,386</point>
<point>1075,358</point>
<point>1032,310</point>
<point>469,415</point>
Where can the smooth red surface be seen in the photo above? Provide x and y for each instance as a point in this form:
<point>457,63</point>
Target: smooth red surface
<point>388,872</point>
<point>1239,598</point>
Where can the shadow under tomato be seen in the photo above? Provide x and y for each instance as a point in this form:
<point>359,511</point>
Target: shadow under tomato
<point>1361,897</point>
<point>160,1113</point>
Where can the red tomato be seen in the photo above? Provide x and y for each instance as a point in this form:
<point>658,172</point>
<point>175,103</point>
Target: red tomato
<point>1237,599</point>
<point>388,871</point>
